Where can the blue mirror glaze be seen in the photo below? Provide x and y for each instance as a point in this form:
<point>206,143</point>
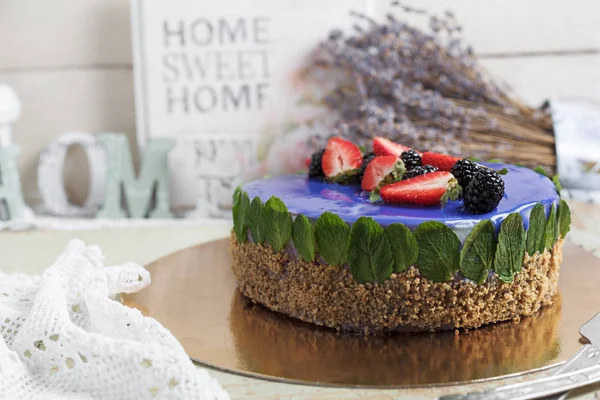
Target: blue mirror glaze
<point>523,188</point>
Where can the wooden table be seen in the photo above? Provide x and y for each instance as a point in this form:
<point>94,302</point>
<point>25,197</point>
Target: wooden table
<point>33,251</point>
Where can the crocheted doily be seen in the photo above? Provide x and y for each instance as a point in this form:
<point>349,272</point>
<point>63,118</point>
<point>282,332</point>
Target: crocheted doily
<point>62,336</point>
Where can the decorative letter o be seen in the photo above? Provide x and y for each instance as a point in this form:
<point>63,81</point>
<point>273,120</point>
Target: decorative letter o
<point>50,175</point>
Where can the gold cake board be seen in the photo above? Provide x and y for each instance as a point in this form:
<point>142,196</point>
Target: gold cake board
<point>193,294</point>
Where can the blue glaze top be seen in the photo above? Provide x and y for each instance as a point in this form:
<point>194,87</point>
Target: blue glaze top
<point>523,189</point>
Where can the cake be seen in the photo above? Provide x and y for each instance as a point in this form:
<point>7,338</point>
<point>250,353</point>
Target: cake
<point>400,241</point>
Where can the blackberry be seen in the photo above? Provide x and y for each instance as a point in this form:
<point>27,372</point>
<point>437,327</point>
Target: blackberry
<point>366,159</point>
<point>419,171</point>
<point>315,170</point>
<point>464,170</point>
<point>484,192</point>
<point>411,159</point>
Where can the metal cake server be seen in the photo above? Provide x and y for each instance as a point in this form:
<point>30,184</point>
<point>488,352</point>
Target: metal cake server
<point>581,370</point>
<point>587,356</point>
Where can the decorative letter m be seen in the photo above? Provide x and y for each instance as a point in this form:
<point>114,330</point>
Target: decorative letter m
<point>121,181</point>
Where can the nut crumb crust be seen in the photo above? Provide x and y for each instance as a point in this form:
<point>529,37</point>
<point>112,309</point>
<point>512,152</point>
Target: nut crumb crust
<point>329,296</point>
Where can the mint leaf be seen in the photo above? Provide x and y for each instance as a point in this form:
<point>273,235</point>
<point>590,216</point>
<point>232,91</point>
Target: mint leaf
<point>556,181</point>
<point>404,246</point>
<point>333,236</point>
<point>277,222</point>
<point>564,218</point>
<point>304,238</point>
<point>477,254</point>
<point>502,171</point>
<point>241,203</point>
<point>540,170</point>
<point>255,222</point>
<point>550,233</point>
<point>535,233</point>
<point>511,247</point>
<point>370,255</point>
<point>439,248</point>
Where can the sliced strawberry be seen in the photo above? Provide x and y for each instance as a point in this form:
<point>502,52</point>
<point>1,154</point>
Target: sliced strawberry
<point>385,147</point>
<point>442,161</point>
<point>428,189</point>
<point>382,170</point>
<point>341,158</point>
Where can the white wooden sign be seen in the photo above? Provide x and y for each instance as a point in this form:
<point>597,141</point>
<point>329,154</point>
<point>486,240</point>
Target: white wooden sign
<point>227,77</point>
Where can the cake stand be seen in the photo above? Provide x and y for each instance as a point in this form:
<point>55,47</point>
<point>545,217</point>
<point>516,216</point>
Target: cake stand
<point>193,294</point>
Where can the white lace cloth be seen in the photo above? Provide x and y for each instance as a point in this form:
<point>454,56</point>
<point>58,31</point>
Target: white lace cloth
<point>63,337</point>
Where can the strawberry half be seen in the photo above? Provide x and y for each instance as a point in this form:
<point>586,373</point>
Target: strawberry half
<point>341,160</point>
<point>382,170</point>
<point>428,189</point>
<point>443,162</point>
<point>385,147</point>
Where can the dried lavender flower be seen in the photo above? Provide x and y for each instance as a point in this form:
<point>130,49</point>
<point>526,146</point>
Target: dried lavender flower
<point>424,89</point>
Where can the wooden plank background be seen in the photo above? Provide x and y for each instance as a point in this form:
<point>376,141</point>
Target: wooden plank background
<point>70,61</point>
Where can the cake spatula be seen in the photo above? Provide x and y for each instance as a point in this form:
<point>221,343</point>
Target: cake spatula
<point>581,370</point>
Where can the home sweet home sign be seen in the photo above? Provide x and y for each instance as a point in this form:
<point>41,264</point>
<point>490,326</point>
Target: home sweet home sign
<point>226,78</point>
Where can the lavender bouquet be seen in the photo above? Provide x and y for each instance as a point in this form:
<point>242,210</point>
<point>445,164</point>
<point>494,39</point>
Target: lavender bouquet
<point>426,89</point>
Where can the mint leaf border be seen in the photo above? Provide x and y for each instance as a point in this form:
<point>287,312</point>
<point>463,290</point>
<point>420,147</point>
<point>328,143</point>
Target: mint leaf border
<point>368,247</point>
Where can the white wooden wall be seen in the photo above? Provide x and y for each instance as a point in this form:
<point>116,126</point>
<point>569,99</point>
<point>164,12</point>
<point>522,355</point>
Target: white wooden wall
<point>70,61</point>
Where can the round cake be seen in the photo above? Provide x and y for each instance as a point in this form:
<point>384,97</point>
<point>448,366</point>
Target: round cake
<point>399,240</point>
